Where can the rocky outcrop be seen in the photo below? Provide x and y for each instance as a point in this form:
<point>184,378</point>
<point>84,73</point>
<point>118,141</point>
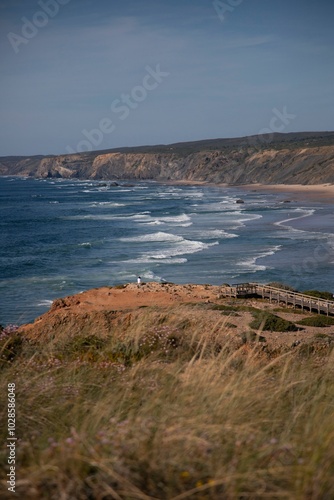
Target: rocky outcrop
<point>302,161</point>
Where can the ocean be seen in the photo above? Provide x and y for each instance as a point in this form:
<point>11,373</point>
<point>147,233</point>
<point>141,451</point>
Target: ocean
<point>61,237</point>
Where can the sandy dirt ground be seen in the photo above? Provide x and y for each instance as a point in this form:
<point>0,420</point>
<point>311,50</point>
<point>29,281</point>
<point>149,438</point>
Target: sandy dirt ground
<point>175,299</point>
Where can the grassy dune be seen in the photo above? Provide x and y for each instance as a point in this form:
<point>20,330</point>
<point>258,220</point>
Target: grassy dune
<point>161,412</point>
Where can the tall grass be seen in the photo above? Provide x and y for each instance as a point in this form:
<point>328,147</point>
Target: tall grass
<point>167,413</point>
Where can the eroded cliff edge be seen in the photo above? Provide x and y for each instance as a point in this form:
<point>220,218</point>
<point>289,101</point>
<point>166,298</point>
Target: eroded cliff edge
<point>284,159</point>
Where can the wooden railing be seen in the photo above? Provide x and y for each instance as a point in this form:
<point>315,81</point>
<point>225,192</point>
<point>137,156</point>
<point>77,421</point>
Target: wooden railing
<point>279,295</point>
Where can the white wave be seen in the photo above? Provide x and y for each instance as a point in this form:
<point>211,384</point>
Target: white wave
<point>174,218</point>
<point>306,213</point>
<point>149,275</point>
<point>250,265</point>
<point>149,260</point>
<point>216,233</point>
<point>45,303</point>
<point>194,194</point>
<point>143,218</point>
<point>106,204</point>
<point>85,244</point>
<point>247,217</point>
<point>108,217</point>
<point>187,224</point>
<point>160,236</point>
<point>238,218</point>
<point>295,233</point>
<point>154,223</point>
<point>171,220</point>
<point>183,247</point>
<point>179,194</point>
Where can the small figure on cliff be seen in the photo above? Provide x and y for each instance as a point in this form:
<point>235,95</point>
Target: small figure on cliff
<point>139,280</point>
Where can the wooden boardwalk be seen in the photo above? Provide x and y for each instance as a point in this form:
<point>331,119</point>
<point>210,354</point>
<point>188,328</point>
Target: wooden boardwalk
<point>312,304</point>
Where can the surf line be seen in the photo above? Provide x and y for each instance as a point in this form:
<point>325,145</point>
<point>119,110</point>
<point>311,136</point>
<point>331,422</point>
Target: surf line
<point>281,223</point>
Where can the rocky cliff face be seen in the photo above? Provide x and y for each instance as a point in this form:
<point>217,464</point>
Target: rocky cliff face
<point>299,162</point>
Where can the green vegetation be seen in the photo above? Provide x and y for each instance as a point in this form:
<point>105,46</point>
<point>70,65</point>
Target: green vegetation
<point>289,310</point>
<point>230,325</point>
<point>231,308</point>
<point>323,336</point>
<point>318,320</point>
<point>319,295</point>
<point>266,321</point>
<point>10,344</point>
<point>191,417</point>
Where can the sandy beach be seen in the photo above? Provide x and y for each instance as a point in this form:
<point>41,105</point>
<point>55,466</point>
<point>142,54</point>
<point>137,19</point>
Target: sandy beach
<point>318,192</point>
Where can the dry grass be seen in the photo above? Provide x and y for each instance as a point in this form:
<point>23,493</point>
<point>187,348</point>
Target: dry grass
<point>169,412</point>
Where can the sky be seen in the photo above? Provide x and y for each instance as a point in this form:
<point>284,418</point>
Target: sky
<point>82,75</point>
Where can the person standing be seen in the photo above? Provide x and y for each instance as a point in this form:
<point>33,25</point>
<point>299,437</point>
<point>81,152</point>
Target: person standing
<point>139,281</point>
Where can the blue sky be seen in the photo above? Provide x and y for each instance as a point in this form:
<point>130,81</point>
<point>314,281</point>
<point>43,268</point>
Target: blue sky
<point>79,74</point>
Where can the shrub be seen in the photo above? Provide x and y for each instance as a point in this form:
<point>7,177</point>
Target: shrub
<point>82,347</point>
<point>272,323</point>
<point>289,310</point>
<point>319,295</point>
<point>10,343</point>
<point>232,309</point>
<point>231,425</point>
<point>318,320</point>
<point>306,350</point>
<point>323,336</point>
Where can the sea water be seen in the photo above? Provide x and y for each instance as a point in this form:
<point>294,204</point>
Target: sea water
<point>61,237</point>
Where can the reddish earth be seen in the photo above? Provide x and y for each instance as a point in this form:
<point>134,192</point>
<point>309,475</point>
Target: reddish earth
<point>105,311</point>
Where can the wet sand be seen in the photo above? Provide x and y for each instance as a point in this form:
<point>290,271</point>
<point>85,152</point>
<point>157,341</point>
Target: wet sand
<point>323,193</point>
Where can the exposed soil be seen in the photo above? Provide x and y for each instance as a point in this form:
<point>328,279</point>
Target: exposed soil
<point>97,311</point>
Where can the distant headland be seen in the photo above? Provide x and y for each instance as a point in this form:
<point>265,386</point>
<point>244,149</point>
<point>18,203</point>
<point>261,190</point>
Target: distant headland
<point>305,158</point>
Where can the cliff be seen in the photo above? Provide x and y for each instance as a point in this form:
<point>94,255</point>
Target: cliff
<point>306,158</point>
<point>126,310</point>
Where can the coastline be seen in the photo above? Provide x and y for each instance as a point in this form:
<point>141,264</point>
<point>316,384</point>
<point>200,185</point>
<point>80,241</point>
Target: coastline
<point>197,304</point>
<point>180,251</point>
<point>323,193</point>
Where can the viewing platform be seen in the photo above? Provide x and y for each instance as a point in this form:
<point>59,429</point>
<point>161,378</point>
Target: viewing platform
<point>287,297</point>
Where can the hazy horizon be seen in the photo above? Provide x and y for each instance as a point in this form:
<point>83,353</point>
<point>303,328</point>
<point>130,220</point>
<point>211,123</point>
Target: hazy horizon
<point>130,146</point>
